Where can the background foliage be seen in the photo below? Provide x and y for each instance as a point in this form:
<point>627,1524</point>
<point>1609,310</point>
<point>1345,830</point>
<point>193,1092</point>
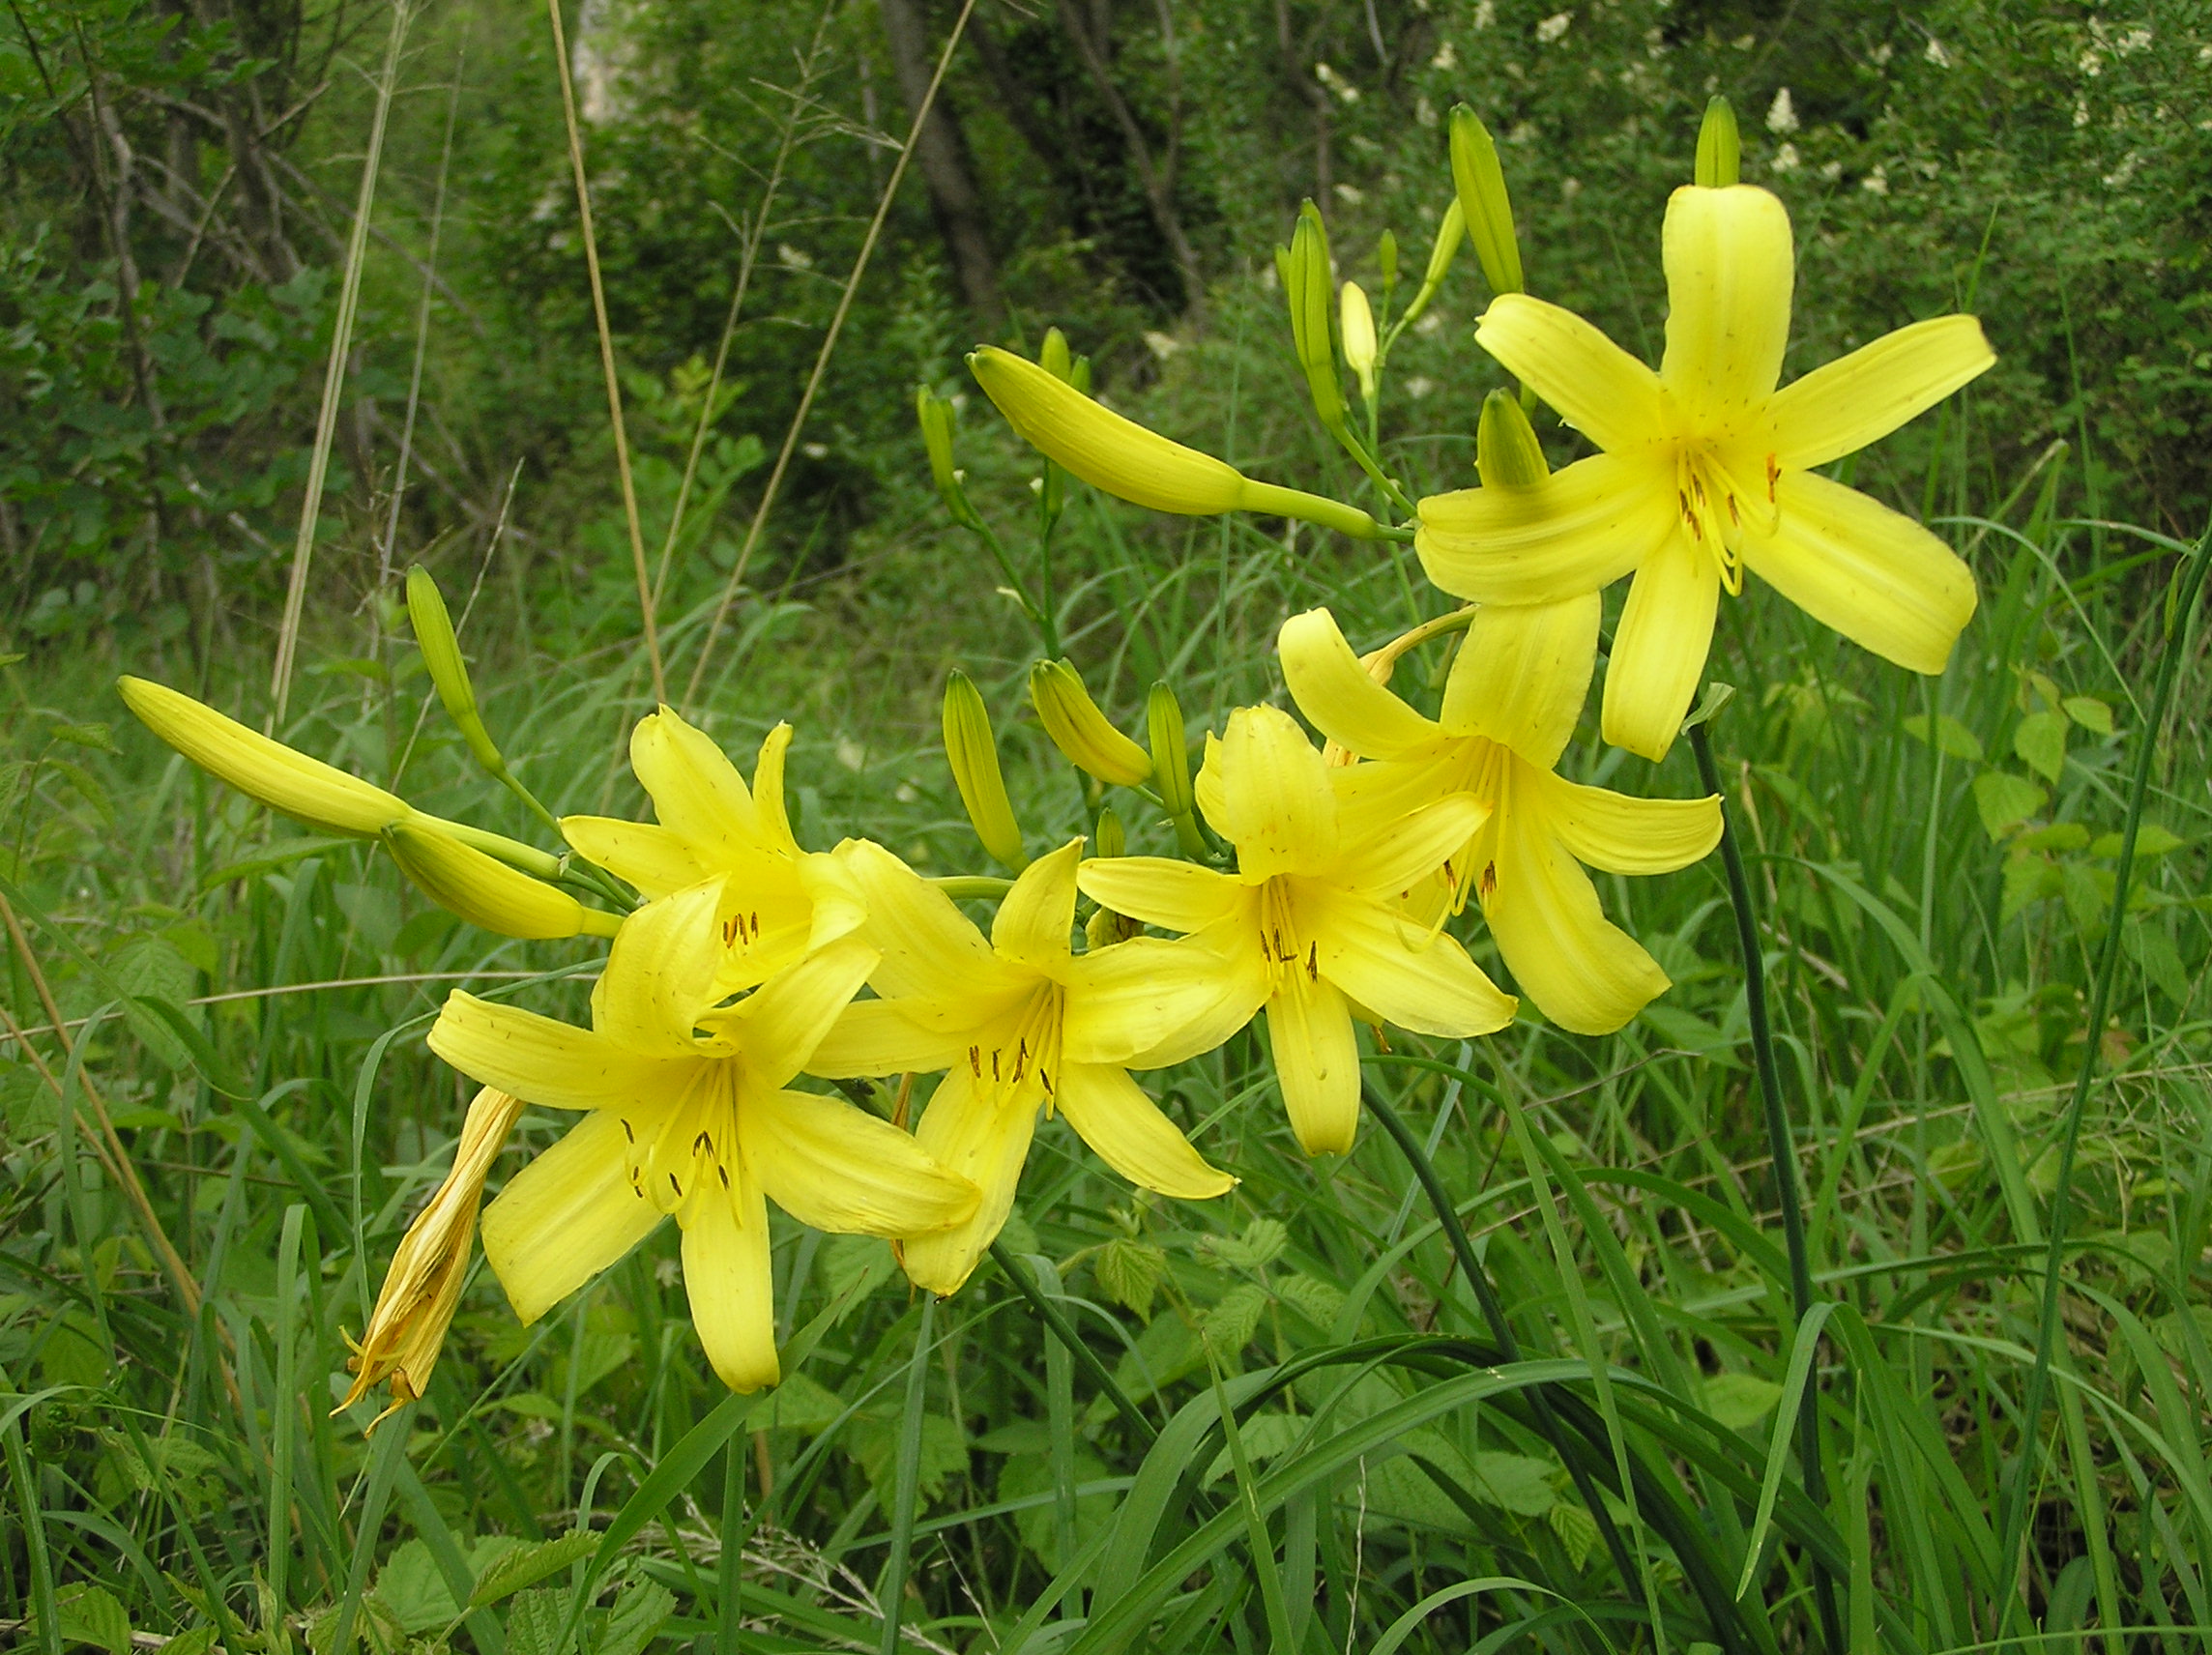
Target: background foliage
<point>1934,861</point>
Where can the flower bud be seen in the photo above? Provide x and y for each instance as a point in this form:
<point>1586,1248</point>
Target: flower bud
<point>1484,202</point>
<point>423,1288</point>
<point>304,789</point>
<point>973,754</point>
<point>1080,731</point>
<point>1720,151</point>
<point>448,674</point>
<point>1449,234</point>
<point>1121,457</point>
<point>1356,321</point>
<point>1307,278</point>
<point>934,414</point>
<point>1507,452</point>
<point>1170,751</point>
<point>1053,357</point>
<point>485,890</point>
<point>1110,839</point>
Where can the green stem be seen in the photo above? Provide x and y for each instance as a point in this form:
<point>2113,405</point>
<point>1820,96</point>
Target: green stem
<point>906,1493</point>
<point>1085,1357</point>
<point>1493,1315</point>
<point>2181,600</point>
<point>730,1611</point>
<point>1782,1150</point>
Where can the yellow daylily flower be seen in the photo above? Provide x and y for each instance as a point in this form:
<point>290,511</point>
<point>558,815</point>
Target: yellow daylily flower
<point>1312,926</point>
<point>1707,471</point>
<point>689,1112</point>
<point>423,1288</point>
<point>485,890</point>
<point>1000,1018</point>
<point>780,903</point>
<point>1509,709</point>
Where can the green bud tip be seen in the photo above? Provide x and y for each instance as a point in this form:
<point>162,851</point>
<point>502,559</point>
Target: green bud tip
<point>1170,751</point>
<point>1507,452</point>
<point>1720,151</point>
<point>1484,202</point>
<point>972,753</point>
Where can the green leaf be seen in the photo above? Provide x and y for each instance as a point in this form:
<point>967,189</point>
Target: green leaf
<point>90,1615</point>
<point>280,854</point>
<point>1515,1481</point>
<point>413,1589</point>
<point>639,1611</point>
<point>1952,736</point>
<point>2040,741</point>
<point>1129,1273</point>
<point>2151,840</point>
<point>2005,801</point>
<point>1740,1401</point>
<point>797,1404</point>
<point>153,969</point>
<point>873,1444</point>
<point>1576,1528</point>
<point>856,1266</point>
<point>1038,1526</point>
<point>527,1565</point>
<point>2028,880</point>
<point>1262,1243</point>
<point>2089,712</point>
<point>97,737</point>
<point>1227,1327</point>
<point>2154,951</point>
<point>2057,836</point>
<point>1318,1301</point>
<point>534,1621</point>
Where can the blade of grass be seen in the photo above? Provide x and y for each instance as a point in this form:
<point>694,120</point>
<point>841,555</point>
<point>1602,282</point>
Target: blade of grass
<point>906,1495</point>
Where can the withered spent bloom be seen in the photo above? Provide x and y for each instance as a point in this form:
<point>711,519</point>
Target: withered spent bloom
<point>423,1288</point>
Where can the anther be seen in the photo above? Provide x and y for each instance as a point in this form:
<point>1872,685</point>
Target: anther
<point>723,1173</point>
<point>1313,961</point>
<point>674,1185</point>
<point>975,1061</point>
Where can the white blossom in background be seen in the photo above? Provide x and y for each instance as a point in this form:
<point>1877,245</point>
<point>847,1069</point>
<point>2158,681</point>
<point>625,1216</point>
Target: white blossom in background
<point>1553,27</point>
<point>1936,54</point>
<point>1446,58</point>
<point>1785,158</point>
<point>1875,182</point>
<point>1782,113</point>
<point>1485,14</point>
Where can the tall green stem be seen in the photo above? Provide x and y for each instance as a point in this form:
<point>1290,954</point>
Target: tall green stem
<point>1493,1315</point>
<point>1784,1154</point>
<point>906,1486</point>
<point>2180,602</point>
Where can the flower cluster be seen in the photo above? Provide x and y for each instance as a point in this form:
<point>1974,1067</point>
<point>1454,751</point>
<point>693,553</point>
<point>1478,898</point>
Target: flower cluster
<point>1317,885</point>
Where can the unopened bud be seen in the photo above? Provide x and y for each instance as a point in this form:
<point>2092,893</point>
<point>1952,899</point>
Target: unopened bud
<point>1053,357</point>
<point>1720,151</point>
<point>1449,234</point>
<point>304,789</point>
<point>1356,321</point>
<point>1483,200</point>
<point>440,651</point>
<point>1507,452</point>
<point>485,890</point>
<point>1110,839</point>
<point>1170,751</point>
<point>1141,466</point>
<point>1308,281</point>
<point>972,753</point>
<point>1080,731</point>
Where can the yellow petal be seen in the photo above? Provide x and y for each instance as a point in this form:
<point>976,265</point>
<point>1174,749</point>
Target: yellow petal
<point>566,1217</point>
<point>768,792</point>
<point>1578,530</point>
<point>1099,445</point>
<point>1177,896</point>
<point>1730,271</point>
<point>1659,648</point>
<point>1421,980</point>
<point>788,1017</point>
<point>1410,850</point>
<point>304,789</point>
<point>1596,386</point>
<point>695,789</point>
<point>983,1135</point>
<point>1844,405</point>
<point>840,1169</point>
<point>1273,802</point>
<point>1339,696</point>
<point>1523,673</point>
<point>1316,1063</point>
<point>839,909</point>
<point>1583,972</point>
<point>549,1062</point>
<point>1111,1113</point>
<point>929,947</point>
<point>727,1278</point>
<point>1150,1003</point>
<point>1878,578</point>
<point>660,974</point>
<point>1373,798</point>
<point>1625,835</point>
<point>1035,918</point>
<point>877,1038</point>
<point>657,860</point>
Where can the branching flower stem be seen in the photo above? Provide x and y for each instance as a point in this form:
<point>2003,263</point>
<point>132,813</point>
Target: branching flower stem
<point>1493,1315</point>
<point>1782,1149</point>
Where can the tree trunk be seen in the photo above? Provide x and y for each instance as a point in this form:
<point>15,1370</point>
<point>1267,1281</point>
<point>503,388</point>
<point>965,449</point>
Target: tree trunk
<point>941,152</point>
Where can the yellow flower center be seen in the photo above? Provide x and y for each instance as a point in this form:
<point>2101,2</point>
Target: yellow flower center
<point>1283,944</point>
<point>1485,769</point>
<point>1718,503</point>
<point>672,1154</point>
<point>1018,1057</point>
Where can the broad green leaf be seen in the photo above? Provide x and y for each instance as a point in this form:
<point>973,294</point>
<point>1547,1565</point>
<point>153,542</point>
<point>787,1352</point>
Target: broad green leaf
<point>1129,1273</point>
<point>639,1611</point>
<point>2089,712</point>
<point>413,1590</point>
<point>2005,801</point>
<point>2151,840</point>
<point>534,1621</point>
<point>1227,1327</point>
<point>1740,1401</point>
<point>1520,1484</point>
<point>153,969</point>
<point>1952,736</point>
<point>527,1565</point>
<point>797,1404</point>
<point>2040,741</point>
